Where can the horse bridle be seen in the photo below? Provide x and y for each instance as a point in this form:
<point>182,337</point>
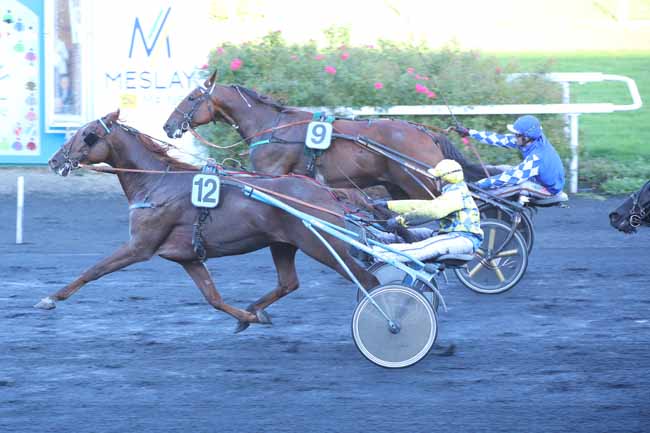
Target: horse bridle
<point>639,211</point>
<point>90,139</point>
<point>206,95</point>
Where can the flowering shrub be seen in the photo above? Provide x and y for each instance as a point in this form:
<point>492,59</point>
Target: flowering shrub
<point>385,74</point>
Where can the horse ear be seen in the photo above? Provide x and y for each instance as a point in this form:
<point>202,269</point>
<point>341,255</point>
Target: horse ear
<point>112,117</point>
<point>211,79</point>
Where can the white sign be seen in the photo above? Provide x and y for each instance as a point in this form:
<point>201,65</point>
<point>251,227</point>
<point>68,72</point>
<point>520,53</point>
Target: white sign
<point>319,135</point>
<point>146,57</point>
<point>205,190</point>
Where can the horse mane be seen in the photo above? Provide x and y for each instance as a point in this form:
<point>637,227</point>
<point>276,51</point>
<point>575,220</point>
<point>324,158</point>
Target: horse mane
<point>472,171</point>
<point>159,151</point>
<point>264,99</point>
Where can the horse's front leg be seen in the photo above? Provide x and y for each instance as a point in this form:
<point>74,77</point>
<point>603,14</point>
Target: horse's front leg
<point>123,257</point>
<point>203,280</point>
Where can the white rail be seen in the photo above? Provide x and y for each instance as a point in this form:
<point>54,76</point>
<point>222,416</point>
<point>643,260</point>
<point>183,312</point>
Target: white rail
<point>571,110</point>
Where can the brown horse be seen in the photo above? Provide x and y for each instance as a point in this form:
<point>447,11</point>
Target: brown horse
<point>343,165</point>
<point>633,212</point>
<point>161,217</point>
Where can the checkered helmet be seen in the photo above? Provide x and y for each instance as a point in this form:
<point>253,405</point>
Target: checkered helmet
<point>528,126</point>
<point>449,171</point>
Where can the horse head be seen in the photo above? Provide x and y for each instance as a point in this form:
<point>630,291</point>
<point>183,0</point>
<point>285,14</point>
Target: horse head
<point>633,212</point>
<point>87,145</point>
<point>198,108</point>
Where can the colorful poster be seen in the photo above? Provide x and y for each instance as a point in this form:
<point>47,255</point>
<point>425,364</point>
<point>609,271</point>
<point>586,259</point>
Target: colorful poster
<point>19,80</point>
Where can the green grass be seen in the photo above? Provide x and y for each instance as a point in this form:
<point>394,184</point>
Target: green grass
<point>620,136</point>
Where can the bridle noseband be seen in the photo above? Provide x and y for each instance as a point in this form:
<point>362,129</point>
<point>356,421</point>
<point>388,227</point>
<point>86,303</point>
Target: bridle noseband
<point>639,211</point>
<point>186,124</point>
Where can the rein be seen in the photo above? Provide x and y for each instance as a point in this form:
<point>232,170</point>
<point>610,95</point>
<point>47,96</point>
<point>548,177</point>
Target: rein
<point>257,134</point>
<point>113,170</point>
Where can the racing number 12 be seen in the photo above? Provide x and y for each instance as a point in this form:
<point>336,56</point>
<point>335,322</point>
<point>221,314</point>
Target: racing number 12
<point>205,191</point>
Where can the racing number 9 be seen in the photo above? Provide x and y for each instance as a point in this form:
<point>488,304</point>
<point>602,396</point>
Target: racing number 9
<point>318,133</point>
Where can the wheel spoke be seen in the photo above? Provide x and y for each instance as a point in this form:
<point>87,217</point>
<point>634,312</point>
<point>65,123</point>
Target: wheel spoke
<point>477,268</point>
<point>497,271</point>
<point>507,253</point>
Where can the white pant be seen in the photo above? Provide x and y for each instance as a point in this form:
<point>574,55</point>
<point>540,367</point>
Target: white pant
<point>448,243</point>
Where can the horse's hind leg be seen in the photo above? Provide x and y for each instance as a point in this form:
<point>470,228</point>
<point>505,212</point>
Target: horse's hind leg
<point>123,257</point>
<point>284,259</point>
<point>203,280</point>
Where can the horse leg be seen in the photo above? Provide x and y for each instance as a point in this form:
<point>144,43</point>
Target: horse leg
<point>284,259</point>
<point>123,257</point>
<point>203,281</point>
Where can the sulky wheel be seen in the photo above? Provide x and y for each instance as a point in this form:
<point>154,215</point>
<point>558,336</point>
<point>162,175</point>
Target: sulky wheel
<point>525,226</point>
<point>406,338</point>
<point>496,268</point>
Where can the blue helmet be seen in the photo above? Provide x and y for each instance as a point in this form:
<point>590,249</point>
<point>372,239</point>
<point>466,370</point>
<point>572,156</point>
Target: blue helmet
<point>528,126</point>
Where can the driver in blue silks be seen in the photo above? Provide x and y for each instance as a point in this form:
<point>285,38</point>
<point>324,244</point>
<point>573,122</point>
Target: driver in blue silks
<point>541,170</point>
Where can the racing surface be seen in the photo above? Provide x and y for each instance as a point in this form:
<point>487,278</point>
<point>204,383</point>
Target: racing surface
<point>567,350</point>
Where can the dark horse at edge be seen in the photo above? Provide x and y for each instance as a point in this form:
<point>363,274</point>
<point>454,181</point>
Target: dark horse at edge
<point>162,221</point>
<point>633,212</point>
<point>344,165</point>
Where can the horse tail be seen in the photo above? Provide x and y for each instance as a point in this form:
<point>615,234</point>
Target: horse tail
<point>472,171</point>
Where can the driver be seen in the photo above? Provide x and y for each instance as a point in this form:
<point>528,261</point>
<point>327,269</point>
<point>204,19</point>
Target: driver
<point>460,227</point>
<point>541,170</point>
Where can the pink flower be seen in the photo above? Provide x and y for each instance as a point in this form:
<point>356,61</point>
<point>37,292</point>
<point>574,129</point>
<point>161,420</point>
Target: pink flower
<point>220,50</point>
<point>465,140</point>
<point>370,46</point>
<point>294,57</point>
<point>319,57</point>
<point>379,85</point>
<point>497,70</point>
<point>425,78</point>
<point>236,64</point>
<point>410,71</point>
<point>205,66</point>
<point>345,55</point>
<point>418,77</point>
<point>330,70</point>
<point>431,94</point>
<point>420,88</point>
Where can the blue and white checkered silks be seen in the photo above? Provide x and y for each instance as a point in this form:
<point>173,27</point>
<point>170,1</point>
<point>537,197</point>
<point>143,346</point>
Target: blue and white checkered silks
<point>529,168</point>
<point>494,139</point>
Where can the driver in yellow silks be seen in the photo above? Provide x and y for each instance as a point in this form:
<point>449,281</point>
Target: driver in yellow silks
<point>460,225</point>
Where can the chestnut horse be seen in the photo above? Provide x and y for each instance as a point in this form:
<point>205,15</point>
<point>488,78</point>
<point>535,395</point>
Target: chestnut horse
<point>345,164</point>
<point>633,212</point>
<point>161,217</point>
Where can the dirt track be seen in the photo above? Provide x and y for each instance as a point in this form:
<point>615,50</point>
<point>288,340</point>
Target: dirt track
<point>568,349</point>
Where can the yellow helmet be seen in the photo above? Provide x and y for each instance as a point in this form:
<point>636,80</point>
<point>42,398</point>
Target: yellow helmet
<point>449,171</point>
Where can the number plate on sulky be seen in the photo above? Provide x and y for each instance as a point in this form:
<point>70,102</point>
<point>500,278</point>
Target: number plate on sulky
<point>205,190</point>
<point>319,135</point>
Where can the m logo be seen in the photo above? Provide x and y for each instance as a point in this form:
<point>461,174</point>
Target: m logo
<point>155,29</point>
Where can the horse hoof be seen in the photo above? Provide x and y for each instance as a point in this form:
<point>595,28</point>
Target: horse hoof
<point>263,317</point>
<point>46,304</point>
<point>241,326</point>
